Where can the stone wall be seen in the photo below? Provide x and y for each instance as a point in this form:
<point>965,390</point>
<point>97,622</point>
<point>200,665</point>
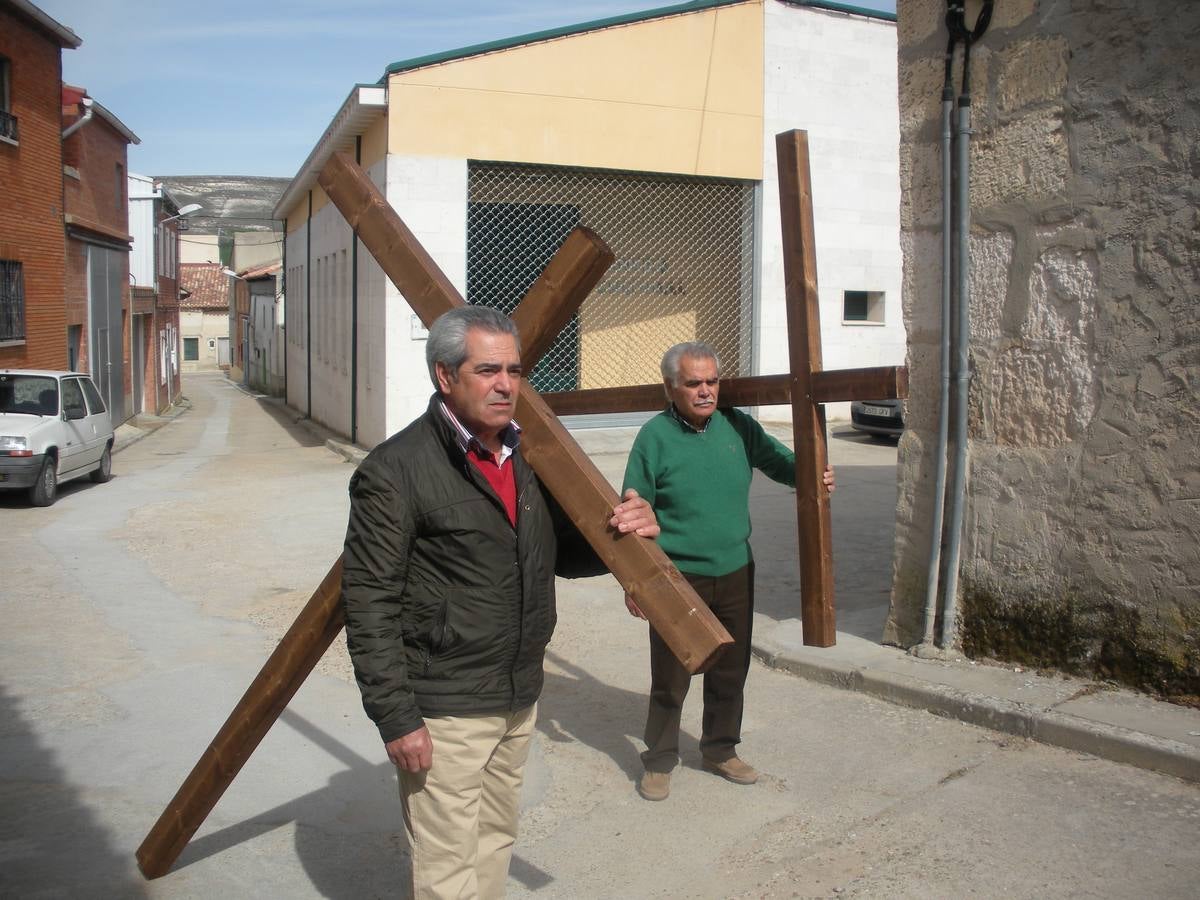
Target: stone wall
<point>1081,545</point>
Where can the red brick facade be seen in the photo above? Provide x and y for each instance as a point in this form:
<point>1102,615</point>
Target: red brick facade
<point>97,216</point>
<point>31,229</point>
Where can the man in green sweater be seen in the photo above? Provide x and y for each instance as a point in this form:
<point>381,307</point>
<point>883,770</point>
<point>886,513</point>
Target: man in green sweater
<point>693,463</point>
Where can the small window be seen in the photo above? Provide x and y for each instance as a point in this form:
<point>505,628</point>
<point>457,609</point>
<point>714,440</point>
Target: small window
<point>8,122</point>
<point>120,187</point>
<point>72,399</point>
<point>95,403</point>
<point>862,308</point>
<point>191,349</point>
<point>12,301</point>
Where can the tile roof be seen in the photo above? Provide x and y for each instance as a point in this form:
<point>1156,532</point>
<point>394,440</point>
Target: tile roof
<point>207,286</point>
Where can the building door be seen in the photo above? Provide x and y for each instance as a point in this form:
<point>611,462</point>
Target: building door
<point>223,351</point>
<point>137,350</point>
<point>104,311</point>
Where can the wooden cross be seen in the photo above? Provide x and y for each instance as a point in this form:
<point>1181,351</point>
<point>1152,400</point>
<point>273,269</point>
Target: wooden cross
<point>676,612</point>
<point>805,388</point>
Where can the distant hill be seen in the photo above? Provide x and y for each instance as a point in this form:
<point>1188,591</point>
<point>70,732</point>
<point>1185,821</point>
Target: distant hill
<point>230,203</point>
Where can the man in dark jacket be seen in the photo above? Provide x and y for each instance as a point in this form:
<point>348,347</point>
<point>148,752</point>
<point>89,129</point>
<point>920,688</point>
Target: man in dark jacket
<point>450,556</point>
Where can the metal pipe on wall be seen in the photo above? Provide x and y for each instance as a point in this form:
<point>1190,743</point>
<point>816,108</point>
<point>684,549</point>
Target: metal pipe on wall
<point>956,329</point>
<point>962,373</point>
<point>943,439</point>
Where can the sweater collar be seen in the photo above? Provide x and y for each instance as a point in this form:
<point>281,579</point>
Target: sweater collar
<point>674,414</point>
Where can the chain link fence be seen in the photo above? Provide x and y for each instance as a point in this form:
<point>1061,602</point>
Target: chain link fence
<point>684,265</point>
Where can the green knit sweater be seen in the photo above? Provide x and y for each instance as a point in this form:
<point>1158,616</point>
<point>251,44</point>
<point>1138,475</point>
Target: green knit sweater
<point>699,485</point>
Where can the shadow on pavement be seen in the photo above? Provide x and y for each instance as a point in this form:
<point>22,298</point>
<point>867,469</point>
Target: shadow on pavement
<point>349,835</point>
<point>577,706</point>
<point>51,844</point>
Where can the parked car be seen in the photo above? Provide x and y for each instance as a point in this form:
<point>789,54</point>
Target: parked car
<point>53,427</point>
<point>884,418</point>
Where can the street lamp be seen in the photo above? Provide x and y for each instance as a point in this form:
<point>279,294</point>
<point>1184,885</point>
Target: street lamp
<point>184,211</point>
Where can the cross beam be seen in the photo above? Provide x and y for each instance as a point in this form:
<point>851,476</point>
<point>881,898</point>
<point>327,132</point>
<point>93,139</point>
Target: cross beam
<point>685,622</point>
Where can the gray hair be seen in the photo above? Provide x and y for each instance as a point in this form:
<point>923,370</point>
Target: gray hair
<point>694,349</point>
<point>447,342</point>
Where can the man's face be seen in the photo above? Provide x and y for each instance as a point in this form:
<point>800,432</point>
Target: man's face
<point>695,391</point>
<point>483,392</point>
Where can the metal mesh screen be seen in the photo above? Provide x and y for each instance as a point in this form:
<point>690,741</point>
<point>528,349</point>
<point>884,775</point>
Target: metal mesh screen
<point>684,265</point>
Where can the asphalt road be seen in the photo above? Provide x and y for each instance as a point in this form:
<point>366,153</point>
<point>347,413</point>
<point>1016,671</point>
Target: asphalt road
<point>136,613</point>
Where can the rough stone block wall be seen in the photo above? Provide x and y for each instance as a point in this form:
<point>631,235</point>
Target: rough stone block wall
<point>1081,546</point>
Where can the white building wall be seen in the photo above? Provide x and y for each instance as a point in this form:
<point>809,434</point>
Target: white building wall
<point>834,76</point>
<point>431,197</point>
<point>330,311</point>
<point>199,248</point>
<point>141,227</point>
<point>296,320</point>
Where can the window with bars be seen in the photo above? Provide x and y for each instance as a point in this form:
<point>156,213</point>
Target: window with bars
<point>12,301</point>
<point>684,266</point>
<point>8,122</point>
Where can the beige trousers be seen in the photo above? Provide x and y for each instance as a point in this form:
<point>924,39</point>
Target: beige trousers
<point>461,815</point>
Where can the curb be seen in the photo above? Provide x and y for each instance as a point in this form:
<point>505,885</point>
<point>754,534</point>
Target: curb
<point>1046,726</point>
<point>137,427</point>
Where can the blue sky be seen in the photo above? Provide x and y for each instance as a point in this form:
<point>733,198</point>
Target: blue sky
<point>246,87</point>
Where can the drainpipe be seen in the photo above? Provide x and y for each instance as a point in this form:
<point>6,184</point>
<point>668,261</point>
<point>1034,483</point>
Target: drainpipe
<point>939,487</point>
<point>308,299</point>
<point>81,121</point>
<point>354,314</point>
<point>956,270</point>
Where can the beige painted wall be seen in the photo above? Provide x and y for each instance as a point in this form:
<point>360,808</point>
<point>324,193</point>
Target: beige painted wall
<point>1081,545</point>
<point>698,110</point>
<point>209,325</point>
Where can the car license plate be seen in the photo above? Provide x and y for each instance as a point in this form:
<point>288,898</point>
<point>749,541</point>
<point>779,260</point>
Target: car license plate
<point>882,411</point>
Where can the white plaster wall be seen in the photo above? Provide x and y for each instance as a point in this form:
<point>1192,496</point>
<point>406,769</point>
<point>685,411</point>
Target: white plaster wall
<point>198,248</point>
<point>430,194</point>
<point>294,319</point>
<point>329,259</point>
<point>834,76</point>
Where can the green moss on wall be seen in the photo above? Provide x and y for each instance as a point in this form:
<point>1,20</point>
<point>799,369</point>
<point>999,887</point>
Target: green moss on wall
<point>1096,638</point>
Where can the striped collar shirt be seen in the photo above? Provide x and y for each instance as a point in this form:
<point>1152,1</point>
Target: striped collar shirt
<point>509,438</point>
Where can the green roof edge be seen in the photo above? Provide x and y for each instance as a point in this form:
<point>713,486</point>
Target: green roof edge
<point>596,24</point>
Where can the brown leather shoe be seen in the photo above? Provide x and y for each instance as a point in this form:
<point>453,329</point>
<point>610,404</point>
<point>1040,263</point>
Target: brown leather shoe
<point>732,769</point>
<point>655,785</point>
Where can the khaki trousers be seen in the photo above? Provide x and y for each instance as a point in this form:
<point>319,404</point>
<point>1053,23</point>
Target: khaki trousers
<point>461,815</point>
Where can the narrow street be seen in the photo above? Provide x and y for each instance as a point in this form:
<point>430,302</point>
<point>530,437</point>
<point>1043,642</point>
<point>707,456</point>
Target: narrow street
<point>137,612</point>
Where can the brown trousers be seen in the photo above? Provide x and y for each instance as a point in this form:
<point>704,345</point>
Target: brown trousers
<point>731,598</point>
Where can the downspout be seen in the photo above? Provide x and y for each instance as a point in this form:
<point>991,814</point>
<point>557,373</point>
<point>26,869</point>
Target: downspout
<point>354,314</point>
<point>308,299</point>
<point>81,121</point>
<point>283,279</point>
<point>962,374</point>
<point>939,487</point>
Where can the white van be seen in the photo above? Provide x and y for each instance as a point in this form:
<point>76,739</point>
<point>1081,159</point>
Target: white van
<point>53,427</point>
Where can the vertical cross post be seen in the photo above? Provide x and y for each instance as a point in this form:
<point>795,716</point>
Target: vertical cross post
<point>808,415</point>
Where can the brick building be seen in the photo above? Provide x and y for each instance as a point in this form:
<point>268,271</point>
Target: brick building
<point>100,326</point>
<point>33,318</point>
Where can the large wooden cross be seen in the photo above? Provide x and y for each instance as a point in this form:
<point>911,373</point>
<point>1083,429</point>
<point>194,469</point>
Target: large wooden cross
<point>687,625</point>
<point>806,388</point>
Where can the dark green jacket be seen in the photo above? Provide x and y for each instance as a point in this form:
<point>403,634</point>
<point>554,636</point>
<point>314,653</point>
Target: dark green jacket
<point>448,608</point>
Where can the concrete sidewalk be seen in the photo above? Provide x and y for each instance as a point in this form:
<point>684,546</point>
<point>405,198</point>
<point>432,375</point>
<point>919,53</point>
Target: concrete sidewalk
<point>1076,714</point>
